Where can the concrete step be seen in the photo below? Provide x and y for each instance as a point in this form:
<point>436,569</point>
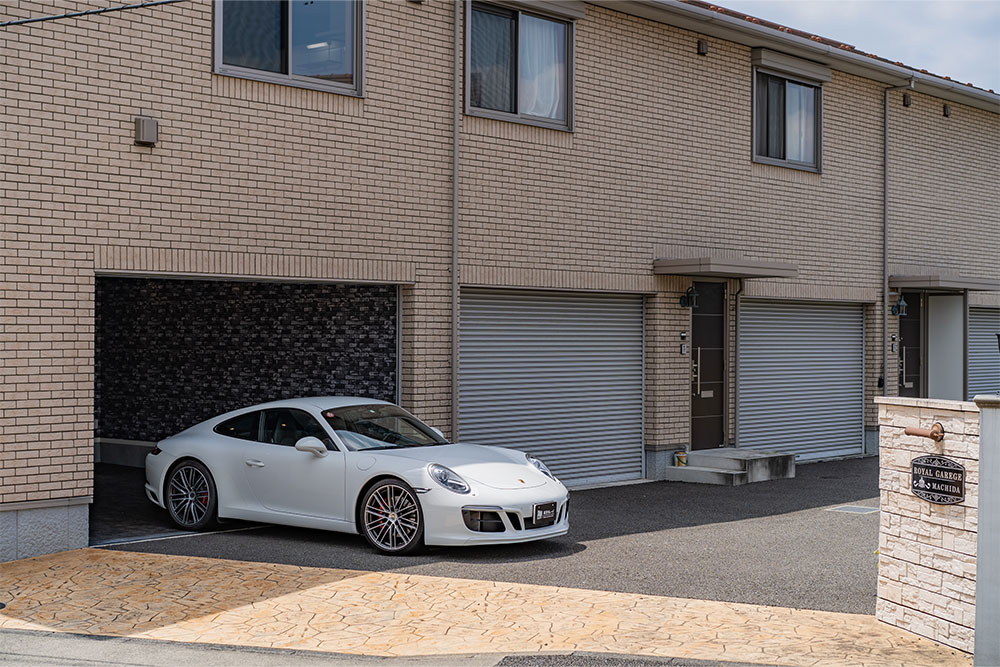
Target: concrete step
<point>704,475</point>
<point>759,465</point>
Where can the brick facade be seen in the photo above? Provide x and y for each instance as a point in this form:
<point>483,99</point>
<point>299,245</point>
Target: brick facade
<point>259,180</point>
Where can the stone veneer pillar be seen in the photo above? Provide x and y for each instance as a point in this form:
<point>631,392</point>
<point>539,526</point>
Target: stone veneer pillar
<point>927,552</point>
<point>987,650</point>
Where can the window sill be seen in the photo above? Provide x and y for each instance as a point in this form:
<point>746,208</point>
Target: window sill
<point>521,120</point>
<point>813,169</point>
<point>289,80</point>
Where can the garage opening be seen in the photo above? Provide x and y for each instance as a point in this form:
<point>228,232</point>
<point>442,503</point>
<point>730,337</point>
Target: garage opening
<point>172,353</point>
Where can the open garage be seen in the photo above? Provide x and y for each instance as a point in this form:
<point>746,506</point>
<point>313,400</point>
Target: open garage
<point>170,353</point>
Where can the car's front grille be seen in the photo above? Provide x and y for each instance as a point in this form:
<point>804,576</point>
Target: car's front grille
<point>482,521</point>
<point>515,520</point>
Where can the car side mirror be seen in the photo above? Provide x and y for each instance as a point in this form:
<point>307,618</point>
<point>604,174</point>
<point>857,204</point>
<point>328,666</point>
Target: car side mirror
<point>313,445</point>
<point>438,431</point>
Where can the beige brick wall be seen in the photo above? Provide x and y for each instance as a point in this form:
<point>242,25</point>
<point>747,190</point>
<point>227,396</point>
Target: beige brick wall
<point>256,179</point>
<point>248,179</point>
<point>927,552</point>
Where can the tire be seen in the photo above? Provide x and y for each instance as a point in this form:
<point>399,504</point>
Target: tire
<point>191,498</point>
<point>391,519</point>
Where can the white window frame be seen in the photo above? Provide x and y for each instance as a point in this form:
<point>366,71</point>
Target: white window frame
<point>355,89</point>
<point>792,164</point>
<point>525,119</point>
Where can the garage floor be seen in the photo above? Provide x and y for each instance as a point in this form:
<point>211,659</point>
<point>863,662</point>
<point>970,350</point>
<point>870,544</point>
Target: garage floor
<point>122,513</point>
<point>121,510</point>
<point>772,543</point>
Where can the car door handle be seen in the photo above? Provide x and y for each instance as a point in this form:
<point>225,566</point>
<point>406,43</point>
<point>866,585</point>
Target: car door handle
<point>254,463</point>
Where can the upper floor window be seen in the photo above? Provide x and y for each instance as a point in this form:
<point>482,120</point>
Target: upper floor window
<point>307,43</point>
<point>519,66</point>
<point>786,121</point>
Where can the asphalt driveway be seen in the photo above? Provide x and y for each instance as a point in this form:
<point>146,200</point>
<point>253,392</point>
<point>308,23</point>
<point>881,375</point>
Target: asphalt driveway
<point>773,543</point>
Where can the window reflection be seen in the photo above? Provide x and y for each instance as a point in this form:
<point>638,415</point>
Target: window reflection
<point>323,39</point>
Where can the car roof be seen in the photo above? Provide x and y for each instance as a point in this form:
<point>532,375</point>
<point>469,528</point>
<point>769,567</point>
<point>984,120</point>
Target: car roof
<point>305,403</point>
<point>320,402</point>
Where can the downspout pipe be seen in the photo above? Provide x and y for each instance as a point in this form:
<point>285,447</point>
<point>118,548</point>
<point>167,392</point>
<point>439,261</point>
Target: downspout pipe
<point>885,229</point>
<point>455,136</point>
<point>736,362</point>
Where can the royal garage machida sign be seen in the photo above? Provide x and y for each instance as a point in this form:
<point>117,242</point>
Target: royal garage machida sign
<point>938,480</point>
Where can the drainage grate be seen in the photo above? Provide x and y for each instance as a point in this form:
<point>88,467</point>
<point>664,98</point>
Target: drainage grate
<point>853,509</point>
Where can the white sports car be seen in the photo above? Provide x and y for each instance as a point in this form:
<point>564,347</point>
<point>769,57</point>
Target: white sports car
<point>354,465</point>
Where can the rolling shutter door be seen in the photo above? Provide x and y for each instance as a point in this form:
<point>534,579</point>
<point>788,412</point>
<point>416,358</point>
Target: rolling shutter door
<point>557,375</point>
<point>801,378</point>
<point>984,357</point>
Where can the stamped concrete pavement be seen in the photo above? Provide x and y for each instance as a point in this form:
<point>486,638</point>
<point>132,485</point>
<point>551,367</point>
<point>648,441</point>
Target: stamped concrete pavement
<point>215,601</point>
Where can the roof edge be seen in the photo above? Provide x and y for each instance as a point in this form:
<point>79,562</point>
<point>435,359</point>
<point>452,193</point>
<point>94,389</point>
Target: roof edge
<point>723,26</point>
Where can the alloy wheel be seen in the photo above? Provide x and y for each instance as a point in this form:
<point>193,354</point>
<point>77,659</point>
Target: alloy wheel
<point>189,496</point>
<point>391,518</point>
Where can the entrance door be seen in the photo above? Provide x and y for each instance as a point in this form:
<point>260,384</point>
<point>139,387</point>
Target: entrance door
<point>708,336</point>
<point>911,346</point>
<point>945,348</point>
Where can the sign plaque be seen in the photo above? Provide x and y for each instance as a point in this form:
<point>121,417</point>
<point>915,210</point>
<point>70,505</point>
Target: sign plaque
<point>938,480</point>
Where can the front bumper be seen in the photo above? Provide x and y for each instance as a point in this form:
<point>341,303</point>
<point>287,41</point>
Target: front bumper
<point>445,526</point>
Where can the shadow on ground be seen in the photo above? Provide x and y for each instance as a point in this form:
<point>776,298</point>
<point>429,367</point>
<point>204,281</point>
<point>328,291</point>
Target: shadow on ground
<point>767,543</point>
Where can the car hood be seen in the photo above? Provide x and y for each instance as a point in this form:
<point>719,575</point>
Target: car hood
<point>495,467</point>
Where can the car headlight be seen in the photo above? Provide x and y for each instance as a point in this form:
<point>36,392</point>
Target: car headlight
<point>447,478</point>
<point>541,466</point>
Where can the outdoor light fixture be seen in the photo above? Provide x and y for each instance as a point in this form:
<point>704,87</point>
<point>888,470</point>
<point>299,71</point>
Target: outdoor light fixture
<point>690,298</point>
<point>702,47</point>
<point>899,308</point>
<point>907,99</point>
<point>947,110</point>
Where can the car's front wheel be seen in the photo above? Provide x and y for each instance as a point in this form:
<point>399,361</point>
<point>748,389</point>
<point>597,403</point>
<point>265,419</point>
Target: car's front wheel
<point>191,497</point>
<point>391,519</point>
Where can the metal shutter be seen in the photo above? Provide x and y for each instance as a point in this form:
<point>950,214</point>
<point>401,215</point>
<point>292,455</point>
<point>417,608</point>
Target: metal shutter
<point>557,375</point>
<point>984,358</point>
<point>801,378</point>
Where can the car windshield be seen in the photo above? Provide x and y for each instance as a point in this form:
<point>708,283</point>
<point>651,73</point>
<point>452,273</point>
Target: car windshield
<point>380,427</point>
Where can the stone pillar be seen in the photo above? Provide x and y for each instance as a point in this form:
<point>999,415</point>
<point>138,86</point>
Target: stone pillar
<point>987,650</point>
<point>927,551</point>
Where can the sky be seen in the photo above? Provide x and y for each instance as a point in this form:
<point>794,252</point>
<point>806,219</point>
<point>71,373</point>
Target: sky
<point>956,38</point>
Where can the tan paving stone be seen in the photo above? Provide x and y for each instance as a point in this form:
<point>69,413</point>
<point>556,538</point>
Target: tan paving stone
<point>379,613</point>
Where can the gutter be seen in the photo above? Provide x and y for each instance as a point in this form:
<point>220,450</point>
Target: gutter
<point>713,23</point>
<point>455,137</point>
<point>885,231</point>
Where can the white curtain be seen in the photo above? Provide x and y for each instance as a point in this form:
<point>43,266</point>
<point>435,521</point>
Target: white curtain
<point>542,79</point>
<point>800,123</point>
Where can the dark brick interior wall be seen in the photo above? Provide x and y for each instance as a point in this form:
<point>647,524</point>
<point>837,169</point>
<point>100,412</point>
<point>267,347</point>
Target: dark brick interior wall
<point>171,353</point>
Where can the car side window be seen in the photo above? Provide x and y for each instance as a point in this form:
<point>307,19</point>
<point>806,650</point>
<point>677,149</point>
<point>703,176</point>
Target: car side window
<point>286,426</point>
<point>244,427</point>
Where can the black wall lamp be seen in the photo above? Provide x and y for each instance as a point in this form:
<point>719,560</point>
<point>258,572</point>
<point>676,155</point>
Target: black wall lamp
<point>899,308</point>
<point>690,298</point>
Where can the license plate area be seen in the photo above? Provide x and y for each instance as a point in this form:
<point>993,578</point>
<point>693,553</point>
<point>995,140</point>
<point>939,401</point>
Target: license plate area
<point>543,514</point>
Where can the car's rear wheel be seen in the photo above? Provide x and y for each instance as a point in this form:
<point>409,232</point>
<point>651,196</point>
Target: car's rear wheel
<point>391,518</point>
<point>191,497</point>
